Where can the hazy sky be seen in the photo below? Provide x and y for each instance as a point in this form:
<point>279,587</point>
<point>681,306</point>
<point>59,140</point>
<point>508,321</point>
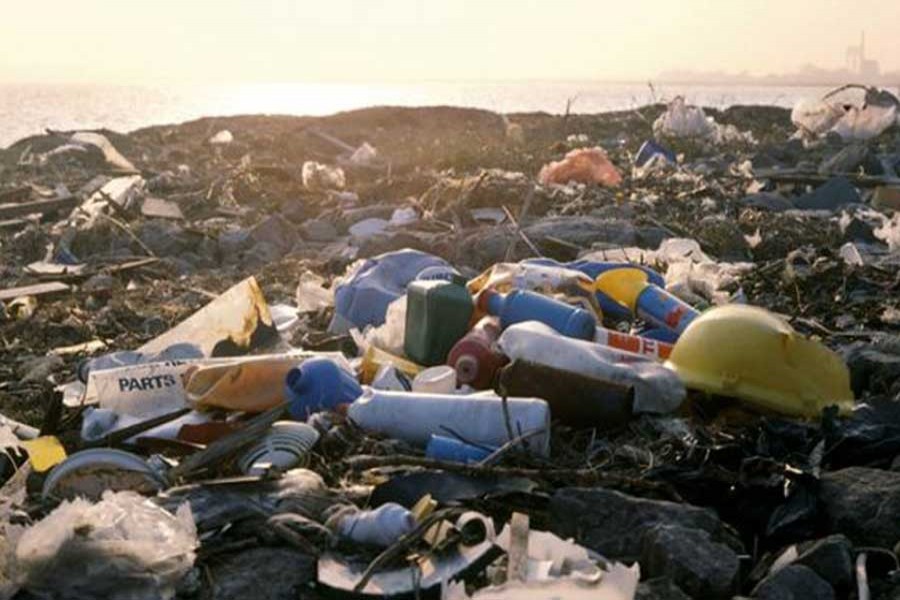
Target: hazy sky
<point>133,41</point>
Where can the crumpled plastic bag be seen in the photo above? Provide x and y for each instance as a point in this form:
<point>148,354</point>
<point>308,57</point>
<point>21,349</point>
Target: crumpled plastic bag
<point>311,294</point>
<point>317,176</point>
<point>389,336</point>
<point>123,547</point>
<point>865,123</point>
<point>656,388</point>
<point>815,117</point>
<point>584,165</point>
<point>546,279</point>
<point>681,120</point>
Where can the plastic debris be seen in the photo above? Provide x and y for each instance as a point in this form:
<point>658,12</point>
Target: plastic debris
<point>124,546</point>
<point>584,165</point>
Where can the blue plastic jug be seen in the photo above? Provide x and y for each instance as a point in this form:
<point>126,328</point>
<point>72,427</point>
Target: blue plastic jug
<point>364,297</point>
<point>521,305</point>
<point>319,384</point>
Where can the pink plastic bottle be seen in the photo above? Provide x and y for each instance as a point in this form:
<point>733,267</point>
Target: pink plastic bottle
<point>475,357</point>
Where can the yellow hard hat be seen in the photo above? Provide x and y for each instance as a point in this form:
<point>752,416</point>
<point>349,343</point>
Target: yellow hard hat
<point>748,353</point>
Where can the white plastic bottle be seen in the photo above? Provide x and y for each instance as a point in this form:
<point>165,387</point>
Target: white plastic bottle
<point>414,417</point>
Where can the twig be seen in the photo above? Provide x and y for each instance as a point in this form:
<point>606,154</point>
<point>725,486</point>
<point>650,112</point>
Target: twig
<point>521,234</point>
<point>505,448</point>
<point>124,227</point>
<point>525,206</point>
<point>584,476</point>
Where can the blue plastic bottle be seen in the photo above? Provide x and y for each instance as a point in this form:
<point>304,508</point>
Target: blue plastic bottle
<point>594,269</point>
<point>318,384</point>
<point>520,305</point>
<point>453,450</point>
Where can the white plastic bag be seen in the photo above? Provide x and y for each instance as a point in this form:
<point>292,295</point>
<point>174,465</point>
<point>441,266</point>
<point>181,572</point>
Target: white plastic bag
<point>681,120</point>
<point>815,117</point>
<point>865,123</point>
<point>123,547</point>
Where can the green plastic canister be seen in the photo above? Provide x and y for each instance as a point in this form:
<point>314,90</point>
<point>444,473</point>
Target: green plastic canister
<point>437,316</point>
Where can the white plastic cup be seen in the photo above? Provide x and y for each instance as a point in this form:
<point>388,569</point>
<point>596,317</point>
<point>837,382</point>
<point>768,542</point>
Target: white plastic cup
<point>436,380</point>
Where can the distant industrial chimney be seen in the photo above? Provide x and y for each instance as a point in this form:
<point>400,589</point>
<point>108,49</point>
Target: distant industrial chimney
<point>857,62</point>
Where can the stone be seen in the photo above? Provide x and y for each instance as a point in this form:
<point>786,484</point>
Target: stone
<point>318,230</point>
<point>164,238</point>
<point>101,284</point>
<point>659,588</point>
<point>40,368</point>
<point>831,558</point>
<point>277,231</point>
<point>833,194</point>
<point>873,367</point>
<point>847,160</point>
<point>583,231</point>
<point>613,523</point>
<point>863,504</point>
<point>768,201</point>
<point>263,573</point>
<point>699,566</point>
<point>793,582</point>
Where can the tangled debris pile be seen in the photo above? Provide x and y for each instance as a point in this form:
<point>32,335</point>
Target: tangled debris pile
<point>444,352</point>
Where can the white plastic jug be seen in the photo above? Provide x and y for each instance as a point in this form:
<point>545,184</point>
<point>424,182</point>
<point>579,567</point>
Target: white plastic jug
<point>656,388</point>
<point>414,417</point>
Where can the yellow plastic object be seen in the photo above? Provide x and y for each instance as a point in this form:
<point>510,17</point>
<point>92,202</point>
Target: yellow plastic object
<point>622,285</point>
<point>375,358</point>
<point>44,452</point>
<point>748,353</point>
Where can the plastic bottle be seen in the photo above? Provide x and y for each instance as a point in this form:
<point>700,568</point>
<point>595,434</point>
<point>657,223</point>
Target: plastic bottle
<point>437,315</point>
<point>645,346</point>
<point>594,269</point>
<point>441,447</point>
<point>574,399</point>
<point>380,527</point>
<point>319,384</point>
<point>414,418</point>
<point>631,288</point>
<point>519,305</point>
<point>475,357</point>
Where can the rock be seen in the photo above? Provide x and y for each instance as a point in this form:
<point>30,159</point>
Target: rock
<point>831,559</point>
<point>660,588</point>
<point>863,504</point>
<point>583,231</point>
<point>834,193</point>
<point>846,160</point>
<point>873,367</point>
<point>100,284</point>
<point>164,238</point>
<point>263,573</point>
<point>277,231</point>
<point>701,567</point>
<point>234,241</point>
<point>794,582</point>
<point>318,230</point>
<point>858,230</point>
<point>768,201</point>
<point>613,523</point>
<point>40,368</point>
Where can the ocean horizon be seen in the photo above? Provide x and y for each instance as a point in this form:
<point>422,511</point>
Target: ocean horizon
<point>28,109</point>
